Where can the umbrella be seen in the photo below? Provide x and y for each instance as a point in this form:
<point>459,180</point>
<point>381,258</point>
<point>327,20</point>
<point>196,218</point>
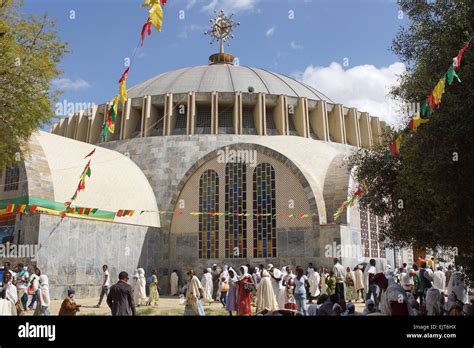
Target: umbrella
<point>363,264</point>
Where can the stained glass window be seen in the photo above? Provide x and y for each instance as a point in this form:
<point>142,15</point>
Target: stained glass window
<point>374,236</point>
<point>264,226</point>
<point>364,232</point>
<point>235,206</point>
<point>208,223</point>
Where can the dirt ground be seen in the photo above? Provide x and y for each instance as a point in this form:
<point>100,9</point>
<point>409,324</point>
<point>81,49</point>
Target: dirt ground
<point>166,306</point>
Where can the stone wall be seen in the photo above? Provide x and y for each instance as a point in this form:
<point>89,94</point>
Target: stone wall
<point>72,252</point>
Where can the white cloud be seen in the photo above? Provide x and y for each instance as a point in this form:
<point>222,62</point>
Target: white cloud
<point>229,5</point>
<point>68,84</point>
<point>364,87</point>
<point>296,46</point>
<point>270,32</point>
<point>190,4</point>
<point>188,29</point>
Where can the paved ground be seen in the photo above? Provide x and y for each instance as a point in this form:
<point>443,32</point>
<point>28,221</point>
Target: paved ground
<point>166,306</point>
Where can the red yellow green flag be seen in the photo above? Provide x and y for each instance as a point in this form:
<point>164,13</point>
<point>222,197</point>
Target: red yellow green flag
<point>10,208</point>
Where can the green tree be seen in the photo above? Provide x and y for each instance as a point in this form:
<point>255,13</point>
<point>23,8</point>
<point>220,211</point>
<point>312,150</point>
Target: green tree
<point>426,193</point>
<point>30,50</point>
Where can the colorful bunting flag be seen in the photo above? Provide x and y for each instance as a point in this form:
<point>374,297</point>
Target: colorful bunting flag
<point>146,30</point>
<point>416,121</point>
<point>438,91</point>
<point>156,16</point>
<point>90,154</point>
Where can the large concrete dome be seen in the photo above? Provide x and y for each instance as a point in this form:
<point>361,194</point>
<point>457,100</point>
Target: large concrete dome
<point>224,78</point>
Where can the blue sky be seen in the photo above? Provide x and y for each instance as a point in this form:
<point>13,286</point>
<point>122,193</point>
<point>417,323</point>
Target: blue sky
<point>312,47</point>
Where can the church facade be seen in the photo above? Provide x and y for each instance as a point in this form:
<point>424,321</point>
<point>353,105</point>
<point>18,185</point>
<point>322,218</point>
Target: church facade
<point>221,163</point>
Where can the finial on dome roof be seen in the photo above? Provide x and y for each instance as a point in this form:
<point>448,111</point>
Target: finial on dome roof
<point>221,30</point>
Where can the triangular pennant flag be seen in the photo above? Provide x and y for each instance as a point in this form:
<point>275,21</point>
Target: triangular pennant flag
<point>91,153</point>
<point>146,30</point>
<point>451,74</point>
<point>457,59</point>
<point>156,16</point>
<point>438,91</point>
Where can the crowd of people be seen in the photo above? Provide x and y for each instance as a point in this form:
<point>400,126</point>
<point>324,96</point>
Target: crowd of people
<point>421,289</point>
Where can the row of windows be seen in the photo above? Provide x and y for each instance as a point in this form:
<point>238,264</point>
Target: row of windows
<point>369,235</point>
<point>236,233</point>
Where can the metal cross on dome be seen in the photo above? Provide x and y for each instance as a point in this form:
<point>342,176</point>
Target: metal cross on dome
<point>221,28</point>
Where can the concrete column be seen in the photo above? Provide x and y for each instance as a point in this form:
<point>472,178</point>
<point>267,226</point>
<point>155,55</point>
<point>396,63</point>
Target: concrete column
<point>191,113</point>
<point>168,129</point>
<point>376,130</point>
<point>259,113</point>
<point>71,126</point>
<point>337,128</point>
<point>280,115</point>
<point>301,117</point>
<point>214,113</point>
<point>237,114</point>
<point>125,117</point>
<point>95,126</point>
<point>352,127</point>
<point>146,116</point>
<point>365,131</point>
<point>82,125</point>
<point>318,120</point>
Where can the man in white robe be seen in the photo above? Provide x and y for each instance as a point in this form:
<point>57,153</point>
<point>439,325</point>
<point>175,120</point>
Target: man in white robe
<point>439,279</point>
<point>277,278</point>
<point>207,285</point>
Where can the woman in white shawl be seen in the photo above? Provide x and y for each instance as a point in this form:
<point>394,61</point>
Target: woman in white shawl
<point>206,282</point>
<point>42,308</point>
<point>456,283</point>
<point>8,296</point>
<point>194,294</point>
<point>287,283</point>
<point>265,296</point>
<point>313,280</point>
<point>139,288</point>
<point>174,279</point>
<point>433,302</point>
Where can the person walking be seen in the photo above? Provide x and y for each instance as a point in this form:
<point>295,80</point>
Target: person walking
<point>340,275</point>
<point>153,289</point>
<point>300,285</point>
<point>105,285</point>
<point>120,297</point>
<point>359,283</point>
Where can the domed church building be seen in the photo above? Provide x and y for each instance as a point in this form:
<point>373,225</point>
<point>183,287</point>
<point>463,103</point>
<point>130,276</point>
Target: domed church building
<point>222,164</point>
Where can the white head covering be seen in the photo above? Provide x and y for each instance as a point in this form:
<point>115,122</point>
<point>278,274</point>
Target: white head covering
<point>433,301</point>
<point>209,270</point>
<point>235,277</point>
<point>246,272</point>
<point>270,266</point>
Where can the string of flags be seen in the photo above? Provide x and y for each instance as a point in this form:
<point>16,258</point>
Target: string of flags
<point>155,19</point>
<point>19,208</point>
<point>432,100</point>
<point>351,199</point>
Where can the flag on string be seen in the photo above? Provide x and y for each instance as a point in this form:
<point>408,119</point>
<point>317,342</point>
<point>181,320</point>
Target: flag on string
<point>91,153</point>
<point>156,16</point>
<point>426,107</point>
<point>457,59</point>
<point>438,91</point>
<point>123,86</point>
<point>33,208</point>
<point>10,208</point>
<point>146,30</point>
<point>103,133</point>
<point>416,121</point>
<point>451,74</point>
<point>111,115</point>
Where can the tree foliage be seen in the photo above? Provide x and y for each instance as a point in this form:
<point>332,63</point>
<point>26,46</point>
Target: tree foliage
<point>30,51</point>
<point>426,193</point>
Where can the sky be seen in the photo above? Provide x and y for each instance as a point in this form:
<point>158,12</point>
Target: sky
<point>340,47</point>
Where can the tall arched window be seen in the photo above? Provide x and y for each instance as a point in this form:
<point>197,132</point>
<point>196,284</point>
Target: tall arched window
<point>235,206</point>
<point>264,225</point>
<point>12,177</point>
<point>209,223</point>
